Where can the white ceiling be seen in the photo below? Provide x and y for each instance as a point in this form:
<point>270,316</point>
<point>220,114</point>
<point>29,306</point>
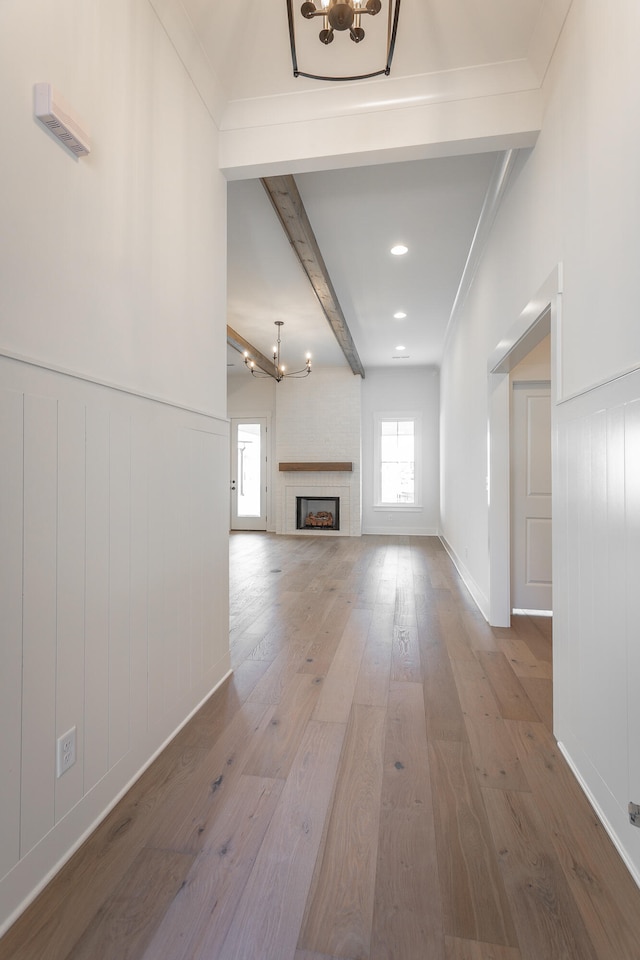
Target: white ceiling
<point>247,41</point>
<point>357,215</point>
<point>452,47</point>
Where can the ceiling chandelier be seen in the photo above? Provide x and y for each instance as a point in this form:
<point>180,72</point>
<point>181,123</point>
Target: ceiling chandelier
<point>345,16</point>
<point>280,369</point>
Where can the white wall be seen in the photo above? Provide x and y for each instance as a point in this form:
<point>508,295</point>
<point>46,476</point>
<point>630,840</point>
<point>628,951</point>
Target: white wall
<point>113,432</point>
<point>410,391</point>
<point>568,203</point>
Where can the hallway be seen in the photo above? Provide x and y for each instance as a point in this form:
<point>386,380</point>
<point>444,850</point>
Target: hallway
<point>377,781</point>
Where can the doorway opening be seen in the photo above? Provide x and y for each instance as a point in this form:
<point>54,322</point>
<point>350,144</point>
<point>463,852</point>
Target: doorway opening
<point>540,318</point>
<point>248,474</point>
<point>531,483</point>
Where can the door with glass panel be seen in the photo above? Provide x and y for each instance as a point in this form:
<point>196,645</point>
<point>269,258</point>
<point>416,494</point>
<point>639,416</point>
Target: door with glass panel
<point>249,474</point>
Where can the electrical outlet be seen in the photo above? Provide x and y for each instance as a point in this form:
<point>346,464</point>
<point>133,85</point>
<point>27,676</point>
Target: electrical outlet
<point>65,751</point>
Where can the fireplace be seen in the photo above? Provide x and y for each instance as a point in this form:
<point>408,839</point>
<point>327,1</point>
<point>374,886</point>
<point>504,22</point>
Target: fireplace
<point>317,513</point>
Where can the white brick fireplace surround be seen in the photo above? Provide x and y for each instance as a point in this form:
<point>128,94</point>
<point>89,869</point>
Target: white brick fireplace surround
<point>319,484</point>
<point>318,420</point>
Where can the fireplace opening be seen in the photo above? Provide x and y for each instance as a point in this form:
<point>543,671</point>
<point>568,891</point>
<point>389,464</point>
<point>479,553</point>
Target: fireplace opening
<point>317,513</point>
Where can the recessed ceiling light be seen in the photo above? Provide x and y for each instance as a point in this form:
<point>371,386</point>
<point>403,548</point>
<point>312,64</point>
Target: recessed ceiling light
<point>399,250</point>
<point>401,347</point>
<point>400,315</point>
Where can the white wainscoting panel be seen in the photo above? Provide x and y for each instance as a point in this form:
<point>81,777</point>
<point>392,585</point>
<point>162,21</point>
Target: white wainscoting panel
<point>119,594</point>
<point>39,592</point>
<point>596,586</point>
<point>114,600</point>
<point>631,558</point>
<point>11,512</point>
<point>96,597</point>
<point>70,591</point>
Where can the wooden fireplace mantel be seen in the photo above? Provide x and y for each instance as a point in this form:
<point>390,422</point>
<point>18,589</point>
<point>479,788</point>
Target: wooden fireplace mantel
<point>334,466</point>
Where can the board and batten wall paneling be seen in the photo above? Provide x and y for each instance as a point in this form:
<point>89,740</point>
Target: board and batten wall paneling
<point>70,591</point>
<point>197,554</point>
<point>114,593</point>
<point>597,571</point>
<point>213,511</point>
<point>38,620</point>
<point>119,594</point>
<point>96,732</point>
<point>632,560</point>
<point>138,576</point>
<point>11,497</point>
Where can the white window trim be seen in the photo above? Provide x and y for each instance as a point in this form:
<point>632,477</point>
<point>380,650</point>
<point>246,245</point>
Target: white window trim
<point>378,504</point>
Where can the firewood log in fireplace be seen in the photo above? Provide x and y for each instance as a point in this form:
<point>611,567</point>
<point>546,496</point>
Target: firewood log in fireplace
<point>320,519</point>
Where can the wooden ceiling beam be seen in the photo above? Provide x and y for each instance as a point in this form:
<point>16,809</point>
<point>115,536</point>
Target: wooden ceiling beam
<point>239,343</point>
<point>287,203</point>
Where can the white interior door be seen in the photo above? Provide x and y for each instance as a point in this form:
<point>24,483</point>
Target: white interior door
<point>249,474</point>
<point>531,575</point>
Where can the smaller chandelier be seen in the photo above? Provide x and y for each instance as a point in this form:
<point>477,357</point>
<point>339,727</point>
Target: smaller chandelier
<point>337,15</point>
<point>281,373</point>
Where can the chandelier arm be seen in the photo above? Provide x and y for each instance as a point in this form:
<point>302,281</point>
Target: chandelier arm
<point>296,375</point>
<point>292,39</point>
<point>391,35</point>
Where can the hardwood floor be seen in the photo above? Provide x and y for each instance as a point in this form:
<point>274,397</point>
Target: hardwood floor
<point>377,781</point>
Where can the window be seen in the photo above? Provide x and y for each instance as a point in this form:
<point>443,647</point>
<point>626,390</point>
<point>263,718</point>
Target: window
<point>396,460</point>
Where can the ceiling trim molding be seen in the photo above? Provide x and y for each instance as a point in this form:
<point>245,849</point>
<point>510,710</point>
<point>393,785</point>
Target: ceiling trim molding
<point>184,39</point>
<point>238,342</point>
<point>287,202</point>
<point>493,197</point>
<point>404,133</point>
<point>397,92</point>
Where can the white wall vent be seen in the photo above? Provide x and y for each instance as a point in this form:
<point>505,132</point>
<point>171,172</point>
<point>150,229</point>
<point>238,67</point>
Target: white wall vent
<point>59,118</point>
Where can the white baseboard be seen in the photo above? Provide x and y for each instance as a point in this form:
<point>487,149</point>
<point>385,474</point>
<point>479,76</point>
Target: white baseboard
<point>606,816</point>
<point>479,597</point>
<point>389,530</point>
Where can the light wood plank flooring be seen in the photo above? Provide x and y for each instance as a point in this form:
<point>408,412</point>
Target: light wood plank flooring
<point>377,781</point>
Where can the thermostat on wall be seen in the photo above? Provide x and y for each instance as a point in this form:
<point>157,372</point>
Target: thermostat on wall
<point>60,119</point>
